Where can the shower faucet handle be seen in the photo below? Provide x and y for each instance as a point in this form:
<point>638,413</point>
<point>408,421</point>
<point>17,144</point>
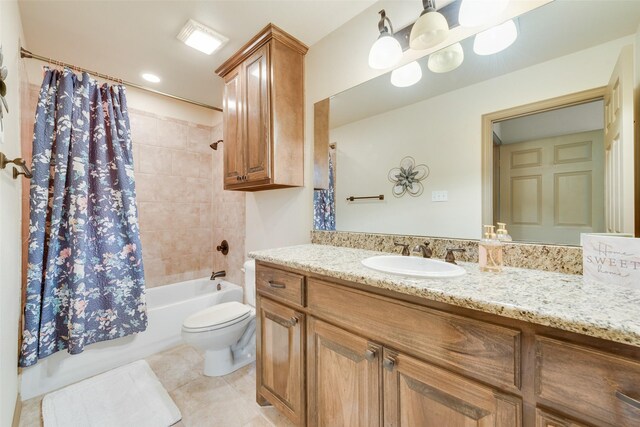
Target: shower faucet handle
<point>223,247</point>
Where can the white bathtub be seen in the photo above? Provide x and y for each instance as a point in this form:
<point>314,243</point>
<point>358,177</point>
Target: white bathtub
<point>167,307</point>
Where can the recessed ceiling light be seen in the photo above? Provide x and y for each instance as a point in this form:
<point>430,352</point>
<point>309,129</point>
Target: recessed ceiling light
<point>151,77</point>
<point>201,38</point>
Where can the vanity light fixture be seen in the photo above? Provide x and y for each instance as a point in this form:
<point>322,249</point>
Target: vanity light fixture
<point>495,39</point>
<point>447,59</point>
<point>407,75</point>
<point>386,51</point>
<point>201,38</point>
<point>474,13</point>
<point>430,29</point>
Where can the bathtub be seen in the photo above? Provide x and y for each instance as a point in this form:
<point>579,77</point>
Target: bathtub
<point>167,307</point>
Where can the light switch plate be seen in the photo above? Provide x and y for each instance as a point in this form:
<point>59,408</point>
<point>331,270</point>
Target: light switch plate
<point>439,196</point>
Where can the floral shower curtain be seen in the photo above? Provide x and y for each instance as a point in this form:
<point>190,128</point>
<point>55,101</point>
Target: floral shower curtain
<point>324,204</point>
<point>85,280</point>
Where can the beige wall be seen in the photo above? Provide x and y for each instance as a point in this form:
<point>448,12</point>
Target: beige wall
<point>10,258</point>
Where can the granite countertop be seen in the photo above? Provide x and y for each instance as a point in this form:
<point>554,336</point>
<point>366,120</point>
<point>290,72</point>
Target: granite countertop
<point>558,300</point>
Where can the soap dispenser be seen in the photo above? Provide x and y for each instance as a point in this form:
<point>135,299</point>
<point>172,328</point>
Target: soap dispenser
<point>502,234</point>
<point>490,251</point>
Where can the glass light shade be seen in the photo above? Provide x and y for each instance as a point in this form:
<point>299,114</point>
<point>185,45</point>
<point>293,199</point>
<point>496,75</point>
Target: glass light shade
<point>447,59</point>
<point>385,52</point>
<point>474,13</point>
<point>495,39</point>
<point>429,30</point>
<point>407,75</point>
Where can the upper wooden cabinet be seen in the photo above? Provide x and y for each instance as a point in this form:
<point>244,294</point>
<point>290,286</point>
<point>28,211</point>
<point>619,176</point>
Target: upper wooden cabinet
<point>263,113</point>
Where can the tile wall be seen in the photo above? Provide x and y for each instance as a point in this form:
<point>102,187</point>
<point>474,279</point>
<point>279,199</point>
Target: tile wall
<point>184,212</point>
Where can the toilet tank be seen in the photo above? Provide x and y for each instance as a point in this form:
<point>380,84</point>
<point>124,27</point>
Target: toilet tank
<point>250,282</point>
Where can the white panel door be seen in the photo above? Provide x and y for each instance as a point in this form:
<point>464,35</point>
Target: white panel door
<point>619,146</point>
<point>552,189</point>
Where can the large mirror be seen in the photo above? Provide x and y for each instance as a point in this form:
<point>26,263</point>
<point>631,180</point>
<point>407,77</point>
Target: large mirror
<point>539,136</point>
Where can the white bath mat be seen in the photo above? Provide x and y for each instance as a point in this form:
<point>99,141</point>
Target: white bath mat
<point>130,395</point>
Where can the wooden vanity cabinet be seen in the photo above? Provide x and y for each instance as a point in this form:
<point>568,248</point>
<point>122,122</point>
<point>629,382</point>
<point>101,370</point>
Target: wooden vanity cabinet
<point>263,113</point>
<point>280,358</point>
<point>372,357</point>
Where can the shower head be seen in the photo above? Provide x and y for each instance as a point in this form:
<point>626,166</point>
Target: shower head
<point>214,145</point>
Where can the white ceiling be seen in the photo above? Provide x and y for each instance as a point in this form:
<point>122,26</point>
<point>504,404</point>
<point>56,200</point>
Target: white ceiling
<point>126,38</point>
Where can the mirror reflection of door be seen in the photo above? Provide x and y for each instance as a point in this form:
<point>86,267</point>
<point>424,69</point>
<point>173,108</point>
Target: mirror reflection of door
<point>561,173</point>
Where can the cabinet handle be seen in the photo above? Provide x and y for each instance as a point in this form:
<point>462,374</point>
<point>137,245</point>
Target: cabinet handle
<point>238,178</point>
<point>388,363</point>
<point>276,285</point>
<point>370,354</point>
<point>287,323</point>
<point>628,399</point>
<point>244,177</point>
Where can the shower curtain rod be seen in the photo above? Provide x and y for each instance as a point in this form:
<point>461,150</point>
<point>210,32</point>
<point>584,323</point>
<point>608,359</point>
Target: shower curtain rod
<point>26,54</point>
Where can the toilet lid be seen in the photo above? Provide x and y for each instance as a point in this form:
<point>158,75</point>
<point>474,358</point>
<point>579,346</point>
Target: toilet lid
<point>218,315</point>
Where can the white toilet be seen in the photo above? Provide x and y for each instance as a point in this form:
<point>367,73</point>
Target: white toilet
<point>226,331</point>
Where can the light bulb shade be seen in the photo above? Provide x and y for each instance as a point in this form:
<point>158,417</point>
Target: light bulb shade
<point>474,13</point>
<point>429,30</point>
<point>447,59</point>
<point>495,39</point>
<point>407,75</point>
<point>385,52</point>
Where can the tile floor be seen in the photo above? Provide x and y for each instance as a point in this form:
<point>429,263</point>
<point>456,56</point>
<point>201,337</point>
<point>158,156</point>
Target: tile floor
<point>227,401</point>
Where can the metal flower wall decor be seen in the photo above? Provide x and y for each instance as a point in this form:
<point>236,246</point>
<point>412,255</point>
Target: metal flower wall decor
<point>407,177</point>
<point>3,90</point>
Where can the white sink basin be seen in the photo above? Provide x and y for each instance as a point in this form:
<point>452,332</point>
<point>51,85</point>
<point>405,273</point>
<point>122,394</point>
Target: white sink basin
<point>413,266</point>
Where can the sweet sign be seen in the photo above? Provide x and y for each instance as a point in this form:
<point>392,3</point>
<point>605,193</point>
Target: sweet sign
<point>613,259</point>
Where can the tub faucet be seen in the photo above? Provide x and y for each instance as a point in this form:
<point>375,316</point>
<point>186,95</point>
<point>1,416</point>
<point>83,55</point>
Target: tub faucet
<point>216,274</point>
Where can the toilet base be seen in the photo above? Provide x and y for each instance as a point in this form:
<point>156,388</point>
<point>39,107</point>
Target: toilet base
<point>222,362</point>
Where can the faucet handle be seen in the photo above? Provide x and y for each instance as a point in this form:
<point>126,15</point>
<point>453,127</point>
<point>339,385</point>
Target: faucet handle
<point>405,248</point>
<point>449,257</point>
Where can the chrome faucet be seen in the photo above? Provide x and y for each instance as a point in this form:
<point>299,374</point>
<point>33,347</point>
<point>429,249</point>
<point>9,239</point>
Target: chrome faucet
<point>216,274</point>
<point>405,248</point>
<point>424,250</point>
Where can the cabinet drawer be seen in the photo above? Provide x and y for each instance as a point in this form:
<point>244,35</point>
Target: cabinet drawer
<point>477,349</point>
<point>596,384</point>
<point>280,284</point>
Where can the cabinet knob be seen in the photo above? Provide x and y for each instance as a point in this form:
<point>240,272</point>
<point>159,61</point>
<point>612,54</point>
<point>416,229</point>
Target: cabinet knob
<point>370,354</point>
<point>388,363</point>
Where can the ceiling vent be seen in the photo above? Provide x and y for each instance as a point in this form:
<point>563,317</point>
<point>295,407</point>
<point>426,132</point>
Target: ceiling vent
<point>202,38</point>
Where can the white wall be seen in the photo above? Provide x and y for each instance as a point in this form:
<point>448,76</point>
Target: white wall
<point>444,132</point>
<point>146,101</point>
<point>337,62</point>
<point>10,247</point>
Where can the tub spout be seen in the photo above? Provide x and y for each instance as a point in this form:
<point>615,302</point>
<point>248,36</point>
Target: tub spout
<point>217,274</point>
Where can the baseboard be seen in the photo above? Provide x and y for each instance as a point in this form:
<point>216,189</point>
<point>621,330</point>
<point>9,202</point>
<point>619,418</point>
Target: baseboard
<point>17,412</point>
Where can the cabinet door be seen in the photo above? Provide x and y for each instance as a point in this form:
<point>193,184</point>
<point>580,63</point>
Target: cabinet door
<point>344,378</point>
<point>419,394</point>
<point>547,419</point>
<point>280,373</point>
<point>257,126</point>
<point>232,120</point>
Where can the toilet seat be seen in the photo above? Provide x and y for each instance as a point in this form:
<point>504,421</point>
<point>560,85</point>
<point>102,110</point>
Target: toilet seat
<point>217,317</point>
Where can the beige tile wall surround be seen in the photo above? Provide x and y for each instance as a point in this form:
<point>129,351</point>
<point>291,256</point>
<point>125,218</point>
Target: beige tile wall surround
<point>184,212</point>
<point>562,259</point>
